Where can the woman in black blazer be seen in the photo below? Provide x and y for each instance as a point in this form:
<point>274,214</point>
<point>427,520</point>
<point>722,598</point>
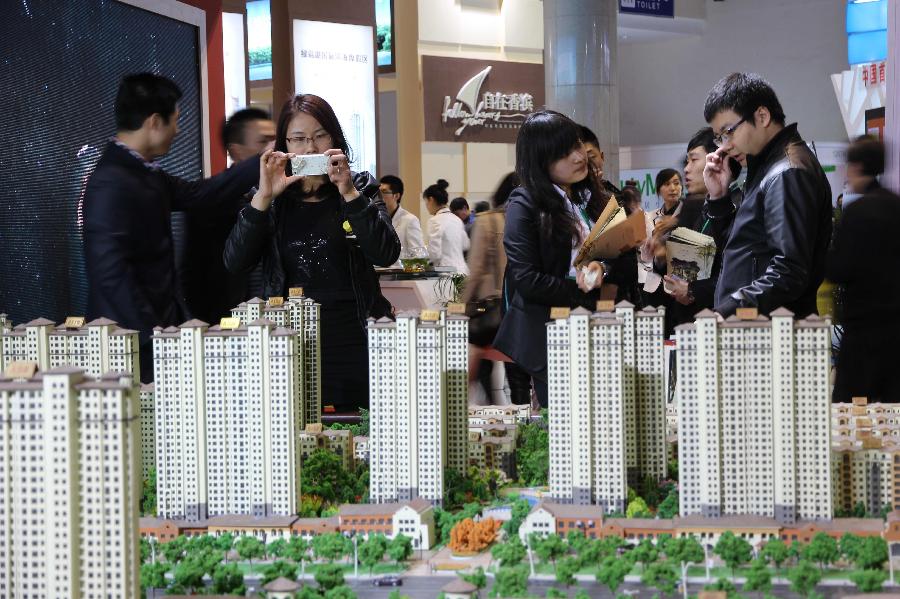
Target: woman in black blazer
<point>546,223</point>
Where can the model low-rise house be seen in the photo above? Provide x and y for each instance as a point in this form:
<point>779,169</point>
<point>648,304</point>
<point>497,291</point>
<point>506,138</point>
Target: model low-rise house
<point>313,527</point>
<point>414,519</point>
<point>493,452</point>
<point>338,442</point>
<point>70,463</point>
<point>865,455</point>
<point>361,448</point>
<point>547,518</point>
<point>511,414</point>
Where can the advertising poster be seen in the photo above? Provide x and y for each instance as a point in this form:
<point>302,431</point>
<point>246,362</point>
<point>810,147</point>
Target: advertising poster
<point>259,40</point>
<point>337,62</point>
<point>384,33</point>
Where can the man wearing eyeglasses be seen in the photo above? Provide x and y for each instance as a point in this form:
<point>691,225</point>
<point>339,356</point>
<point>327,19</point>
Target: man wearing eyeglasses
<point>407,226</point>
<point>775,255</point>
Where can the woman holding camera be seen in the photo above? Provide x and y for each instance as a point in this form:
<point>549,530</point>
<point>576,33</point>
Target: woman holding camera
<point>323,233</point>
<point>546,223</point>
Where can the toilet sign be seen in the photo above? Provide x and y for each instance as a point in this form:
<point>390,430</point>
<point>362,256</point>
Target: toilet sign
<point>656,8</point>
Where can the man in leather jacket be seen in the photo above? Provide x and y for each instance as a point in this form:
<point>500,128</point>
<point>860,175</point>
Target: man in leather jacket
<point>775,255</point>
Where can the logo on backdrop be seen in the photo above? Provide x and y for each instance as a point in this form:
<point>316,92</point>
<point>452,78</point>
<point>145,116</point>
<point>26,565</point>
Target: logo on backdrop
<point>491,110</point>
<point>477,100</point>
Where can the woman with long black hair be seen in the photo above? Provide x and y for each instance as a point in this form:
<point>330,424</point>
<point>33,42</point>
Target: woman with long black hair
<point>546,223</point>
<point>323,233</point>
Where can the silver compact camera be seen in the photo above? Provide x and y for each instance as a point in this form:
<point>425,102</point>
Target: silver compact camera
<point>309,164</point>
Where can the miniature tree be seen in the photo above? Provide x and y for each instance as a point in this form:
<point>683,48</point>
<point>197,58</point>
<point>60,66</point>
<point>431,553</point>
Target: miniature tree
<point>279,569</point>
<point>590,553</point>
<point>645,553</point>
<point>804,577</point>
<point>660,575</point>
<point>174,549</point>
<point>277,548</point>
<point>549,548</point>
<point>849,546</point>
<point>209,559</point>
<point>323,474</point>
<point>685,551</point>
<point>775,551</point>
<point>612,572</point>
<point>610,545</point>
<point>566,570</point>
<point>758,578</point>
<point>470,537</point>
<point>533,454</point>
<point>249,547</point>
<point>331,546</point>
<point>669,506</point>
<point>297,549</point>
<point>224,543</point>
<point>510,553</point>
<point>228,579</point>
<point>733,550</point>
<point>340,592</point>
<point>308,592</point>
<point>577,541</point>
<point>520,510</point>
<point>637,509</point>
<point>511,582</point>
<point>822,549</point>
<point>371,552</point>
<point>477,577</point>
<point>153,576</point>
<point>869,581</point>
<point>554,593</point>
<point>400,548</point>
<point>329,576</point>
<point>871,553</point>
<point>723,585</point>
<point>187,577</point>
<point>148,494</point>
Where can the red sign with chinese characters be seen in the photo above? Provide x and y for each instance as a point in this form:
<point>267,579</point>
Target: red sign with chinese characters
<point>873,74</point>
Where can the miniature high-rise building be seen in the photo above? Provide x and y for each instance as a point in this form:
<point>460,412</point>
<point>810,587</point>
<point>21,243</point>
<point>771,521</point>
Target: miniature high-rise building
<point>148,429</point>
<point>586,403</point>
<point>416,406</point>
<point>97,347</point>
<point>69,486</point>
<point>228,415</point>
<point>299,313</point>
<point>754,407</point>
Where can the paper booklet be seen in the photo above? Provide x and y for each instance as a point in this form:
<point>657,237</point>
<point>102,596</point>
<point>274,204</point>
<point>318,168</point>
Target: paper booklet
<point>689,254</point>
<point>614,233</point>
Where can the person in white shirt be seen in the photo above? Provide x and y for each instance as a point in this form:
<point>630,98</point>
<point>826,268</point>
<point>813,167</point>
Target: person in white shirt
<point>447,238</point>
<point>406,224</point>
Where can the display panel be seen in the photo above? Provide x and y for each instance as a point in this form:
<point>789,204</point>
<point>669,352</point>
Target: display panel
<point>259,40</point>
<point>384,34</point>
<point>336,61</point>
<point>59,88</point>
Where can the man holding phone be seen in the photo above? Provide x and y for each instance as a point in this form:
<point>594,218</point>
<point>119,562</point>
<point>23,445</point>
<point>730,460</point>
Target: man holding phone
<point>775,255</point>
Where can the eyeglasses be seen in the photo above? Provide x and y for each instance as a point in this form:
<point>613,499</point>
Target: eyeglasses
<point>725,136</point>
<point>389,193</point>
<point>316,140</point>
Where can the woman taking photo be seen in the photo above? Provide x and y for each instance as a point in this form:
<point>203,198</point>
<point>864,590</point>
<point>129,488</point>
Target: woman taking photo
<point>447,237</point>
<point>322,233</point>
<point>545,227</point>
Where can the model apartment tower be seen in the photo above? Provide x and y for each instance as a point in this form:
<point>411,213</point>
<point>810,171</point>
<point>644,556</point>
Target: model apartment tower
<point>69,485</point>
<point>754,407</point>
<point>228,416</point>
<point>299,313</point>
<point>96,347</point>
<point>418,404</point>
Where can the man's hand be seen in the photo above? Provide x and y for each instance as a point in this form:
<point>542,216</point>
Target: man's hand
<point>679,289</point>
<point>272,178</point>
<point>717,174</point>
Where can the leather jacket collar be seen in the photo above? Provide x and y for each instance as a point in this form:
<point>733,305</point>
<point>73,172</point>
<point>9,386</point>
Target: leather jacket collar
<point>772,152</point>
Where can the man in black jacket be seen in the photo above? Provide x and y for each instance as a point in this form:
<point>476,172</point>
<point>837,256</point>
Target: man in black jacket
<point>127,204</point>
<point>862,258</point>
<point>775,255</point>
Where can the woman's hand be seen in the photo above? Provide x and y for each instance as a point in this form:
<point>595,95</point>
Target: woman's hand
<point>272,178</point>
<point>679,289</point>
<point>339,174</point>
<point>590,277</point>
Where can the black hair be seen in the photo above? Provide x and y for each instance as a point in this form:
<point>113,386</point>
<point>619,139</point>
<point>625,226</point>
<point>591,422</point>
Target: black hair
<point>507,184</point>
<point>545,137</point>
<point>587,136</point>
<point>438,192</point>
<point>665,175</point>
<point>631,194</point>
<point>233,129</point>
<point>867,152</point>
<point>144,94</point>
<point>705,138</point>
<point>482,206</point>
<point>743,93</point>
<point>458,204</point>
<point>394,182</point>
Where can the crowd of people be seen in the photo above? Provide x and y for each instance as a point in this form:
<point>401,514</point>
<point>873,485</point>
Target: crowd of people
<point>257,230</point>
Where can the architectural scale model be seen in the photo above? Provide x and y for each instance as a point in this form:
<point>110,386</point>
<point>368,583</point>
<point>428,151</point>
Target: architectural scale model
<point>228,415</point>
<point>493,447</point>
<point>418,385</point>
<point>338,442</point>
<point>299,313</point>
<point>97,347</point>
<point>865,455</point>
<point>148,429</point>
<point>606,401</point>
<point>754,410</point>
<point>69,485</point>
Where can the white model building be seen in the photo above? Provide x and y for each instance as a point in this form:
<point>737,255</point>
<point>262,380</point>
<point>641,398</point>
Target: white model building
<point>228,415</point>
<point>69,486</point>
<point>754,406</point>
<point>418,404</point>
<point>299,313</point>
<point>606,403</point>
<point>97,347</point>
